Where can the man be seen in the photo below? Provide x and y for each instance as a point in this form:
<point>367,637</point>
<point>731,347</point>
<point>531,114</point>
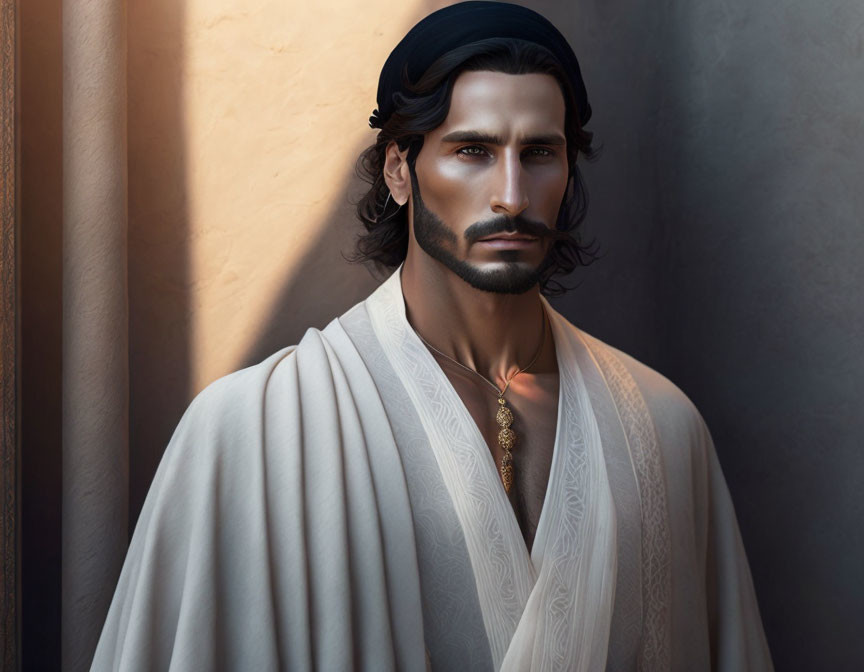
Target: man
<point>450,475</point>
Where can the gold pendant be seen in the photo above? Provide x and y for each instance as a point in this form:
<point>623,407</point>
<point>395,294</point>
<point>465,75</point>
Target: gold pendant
<point>506,440</point>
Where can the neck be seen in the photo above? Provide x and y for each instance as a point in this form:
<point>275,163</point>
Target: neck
<point>494,334</point>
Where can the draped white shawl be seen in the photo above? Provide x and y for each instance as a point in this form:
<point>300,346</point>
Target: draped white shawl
<point>278,530</point>
<point>552,610</point>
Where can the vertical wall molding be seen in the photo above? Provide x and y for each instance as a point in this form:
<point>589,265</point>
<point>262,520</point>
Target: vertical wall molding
<point>95,321</point>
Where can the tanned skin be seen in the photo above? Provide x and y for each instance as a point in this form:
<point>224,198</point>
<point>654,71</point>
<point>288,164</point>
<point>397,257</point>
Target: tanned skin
<point>488,315</point>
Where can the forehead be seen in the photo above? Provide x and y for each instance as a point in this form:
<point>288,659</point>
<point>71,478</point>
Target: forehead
<point>503,103</point>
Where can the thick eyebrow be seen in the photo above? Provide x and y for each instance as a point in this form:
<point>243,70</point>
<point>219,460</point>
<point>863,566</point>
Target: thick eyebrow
<point>489,139</point>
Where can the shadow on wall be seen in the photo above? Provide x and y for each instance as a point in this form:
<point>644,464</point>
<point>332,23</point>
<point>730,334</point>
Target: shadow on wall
<point>41,96</point>
<point>316,288</point>
<point>158,273</point>
<point>323,272</point>
<point>158,244</point>
<point>321,285</point>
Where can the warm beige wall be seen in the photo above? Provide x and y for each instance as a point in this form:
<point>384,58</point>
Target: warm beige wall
<point>277,97</point>
<point>274,106</point>
<point>245,119</point>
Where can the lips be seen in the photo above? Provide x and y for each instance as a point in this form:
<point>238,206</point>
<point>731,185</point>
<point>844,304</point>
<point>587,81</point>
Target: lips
<point>518,236</point>
<point>508,242</point>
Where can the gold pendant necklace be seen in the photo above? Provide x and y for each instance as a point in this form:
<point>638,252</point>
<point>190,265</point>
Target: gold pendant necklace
<point>503,416</point>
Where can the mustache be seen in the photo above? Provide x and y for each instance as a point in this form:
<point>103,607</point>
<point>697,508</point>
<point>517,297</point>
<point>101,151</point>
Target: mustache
<point>517,224</point>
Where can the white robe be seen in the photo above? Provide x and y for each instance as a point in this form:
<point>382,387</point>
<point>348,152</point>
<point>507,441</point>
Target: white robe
<point>335,507</point>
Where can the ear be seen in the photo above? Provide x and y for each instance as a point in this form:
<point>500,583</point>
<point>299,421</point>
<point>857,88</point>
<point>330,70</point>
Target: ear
<point>396,174</point>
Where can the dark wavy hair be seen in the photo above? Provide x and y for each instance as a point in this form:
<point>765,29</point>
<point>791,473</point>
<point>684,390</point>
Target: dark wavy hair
<point>385,240</point>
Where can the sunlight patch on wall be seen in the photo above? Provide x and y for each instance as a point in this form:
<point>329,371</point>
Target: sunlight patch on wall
<point>277,100</point>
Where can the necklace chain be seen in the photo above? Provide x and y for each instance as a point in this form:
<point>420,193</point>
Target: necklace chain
<point>500,392</point>
<point>504,416</point>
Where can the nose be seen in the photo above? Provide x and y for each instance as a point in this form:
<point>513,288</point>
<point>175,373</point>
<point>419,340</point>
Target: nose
<point>509,195</point>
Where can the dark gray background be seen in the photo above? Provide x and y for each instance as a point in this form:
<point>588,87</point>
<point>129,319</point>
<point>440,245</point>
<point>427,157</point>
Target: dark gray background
<point>729,200</point>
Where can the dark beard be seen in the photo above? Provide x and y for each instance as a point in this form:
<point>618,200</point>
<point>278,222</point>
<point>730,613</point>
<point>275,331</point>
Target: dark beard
<point>436,240</point>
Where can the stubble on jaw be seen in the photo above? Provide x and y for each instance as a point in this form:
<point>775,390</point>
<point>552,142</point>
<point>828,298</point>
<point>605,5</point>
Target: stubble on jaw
<point>437,240</point>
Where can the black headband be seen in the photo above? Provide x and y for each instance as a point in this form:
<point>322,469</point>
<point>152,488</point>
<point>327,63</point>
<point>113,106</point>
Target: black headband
<point>464,23</point>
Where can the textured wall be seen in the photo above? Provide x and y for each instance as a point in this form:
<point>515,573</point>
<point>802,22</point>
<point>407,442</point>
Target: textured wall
<point>729,200</point>
<point>95,321</point>
<point>762,207</point>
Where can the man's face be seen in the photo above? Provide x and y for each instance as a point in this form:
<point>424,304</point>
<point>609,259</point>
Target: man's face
<point>497,165</point>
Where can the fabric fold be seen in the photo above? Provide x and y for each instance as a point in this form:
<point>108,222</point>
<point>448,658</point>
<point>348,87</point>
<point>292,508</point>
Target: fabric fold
<point>266,541</point>
<point>336,507</point>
